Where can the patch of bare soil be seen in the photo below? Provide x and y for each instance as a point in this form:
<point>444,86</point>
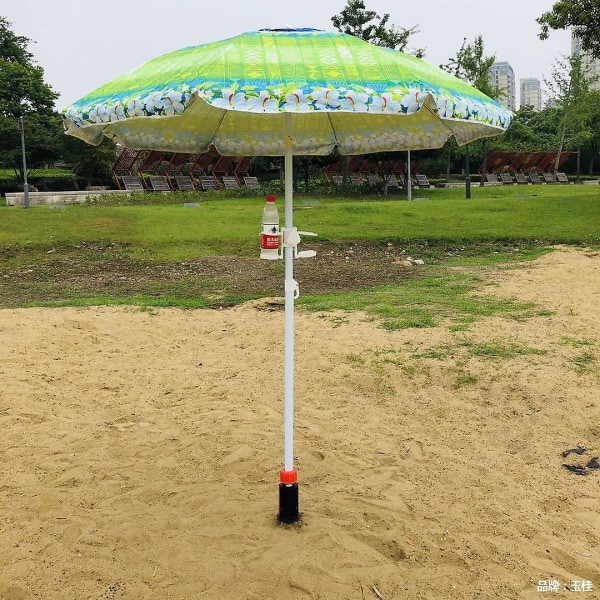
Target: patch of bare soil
<point>68,273</point>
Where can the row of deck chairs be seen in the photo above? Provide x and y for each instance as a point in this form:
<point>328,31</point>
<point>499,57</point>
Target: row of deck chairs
<point>184,183</point>
<point>139,170</point>
<point>522,178</point>
<point>396,180</point>
<point>360,170</point>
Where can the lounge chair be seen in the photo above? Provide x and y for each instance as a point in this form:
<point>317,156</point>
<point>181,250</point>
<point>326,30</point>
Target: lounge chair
<point>534,177</point>
<point>392,181</point>
<point>492,178</point>
<point>251,182</point>
<point>230,182</point>
<point>422,181</point>
<point>208,182</point>
<point>132,183</point>
<point>521,178</point>
<point>159,183</point>
<point>506,178</point>
<point>184,183</point>
<point>548,177</point>
<point>562,178</point>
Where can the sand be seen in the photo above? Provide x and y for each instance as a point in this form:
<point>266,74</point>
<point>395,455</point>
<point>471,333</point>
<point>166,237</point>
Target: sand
<point>140,451</point>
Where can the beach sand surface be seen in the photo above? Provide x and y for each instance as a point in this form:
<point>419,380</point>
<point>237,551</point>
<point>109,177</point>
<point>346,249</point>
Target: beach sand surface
<point>140,451</point>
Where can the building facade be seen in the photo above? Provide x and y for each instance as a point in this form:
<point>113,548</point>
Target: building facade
<point>591,66</point>
<point>531,93</point>
<point>502,77</point>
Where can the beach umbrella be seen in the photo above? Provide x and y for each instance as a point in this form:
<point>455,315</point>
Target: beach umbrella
<point>286,92</point>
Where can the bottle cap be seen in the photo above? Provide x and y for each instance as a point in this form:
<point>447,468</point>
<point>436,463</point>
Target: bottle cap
<point>270,198</point>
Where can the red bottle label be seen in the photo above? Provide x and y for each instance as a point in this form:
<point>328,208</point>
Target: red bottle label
<point>269,242</point>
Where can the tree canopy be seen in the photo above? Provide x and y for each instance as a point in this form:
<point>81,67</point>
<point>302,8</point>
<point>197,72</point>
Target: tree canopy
<point>367,25</point>
<point>471,65</point>
<point>582,16</point>
<point>22,87</point>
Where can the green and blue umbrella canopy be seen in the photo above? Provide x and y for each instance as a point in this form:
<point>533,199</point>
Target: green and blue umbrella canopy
<point>339,90</point>
<point>280,93</point>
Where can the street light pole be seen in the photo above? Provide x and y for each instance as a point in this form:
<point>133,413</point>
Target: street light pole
<point>25,184</point>
<point>468,173</point>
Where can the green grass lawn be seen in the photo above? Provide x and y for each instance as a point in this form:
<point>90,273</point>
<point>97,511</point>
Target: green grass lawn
<point>230,226</point>
<point>139,252</point>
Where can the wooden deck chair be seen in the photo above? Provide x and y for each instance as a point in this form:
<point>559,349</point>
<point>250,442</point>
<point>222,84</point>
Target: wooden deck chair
<point>392,180</point>
<point>230,182</point>
<point>337,179</point>
<point>562,178</point>
<point>506,178</point>
<point>132,183</point>
<point>548,177</point>
<point>492,178</point>
<point>355,179</point>
<point>184,183</point>
<point>373,179</point>
<point>422,181</point>
<point>534,177</point>
<point>521,178</point>
<point>251,182</point>
<point>159,183</point>
<point>208,182</point>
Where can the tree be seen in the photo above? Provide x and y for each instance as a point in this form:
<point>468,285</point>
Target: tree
<point>582,16</point>
<point>570,89</point>
<point>91,164</point>
<point>23,93</point>
<point>471,65</point>
<point>592,144</point>
<point>367,25</point>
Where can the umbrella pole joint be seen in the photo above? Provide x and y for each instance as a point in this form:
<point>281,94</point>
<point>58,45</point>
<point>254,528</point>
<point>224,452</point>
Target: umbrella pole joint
<point>288,497</point>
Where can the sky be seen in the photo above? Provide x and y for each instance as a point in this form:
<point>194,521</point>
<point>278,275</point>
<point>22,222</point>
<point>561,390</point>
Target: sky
<point>82,45</point>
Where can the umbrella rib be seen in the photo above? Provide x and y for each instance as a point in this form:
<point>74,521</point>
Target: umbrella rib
<point>212,139</point>
<point>333,129</point>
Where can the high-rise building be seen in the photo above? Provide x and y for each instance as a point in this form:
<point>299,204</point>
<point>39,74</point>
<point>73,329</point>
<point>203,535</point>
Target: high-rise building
<point>531,93</point>
<point>502,77</point>
<point>591,66</point>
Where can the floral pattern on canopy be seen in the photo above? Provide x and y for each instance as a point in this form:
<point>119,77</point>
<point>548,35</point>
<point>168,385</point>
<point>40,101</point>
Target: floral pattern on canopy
<point>340,90</point>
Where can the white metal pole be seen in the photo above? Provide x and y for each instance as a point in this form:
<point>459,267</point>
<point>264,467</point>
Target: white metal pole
<point>25,183</point>
<point>409,182</point>
<point>290,291</point>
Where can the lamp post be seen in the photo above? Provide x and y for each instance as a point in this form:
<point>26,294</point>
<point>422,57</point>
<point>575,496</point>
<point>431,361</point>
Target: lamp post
<point>468,173</point>
<point>25,184</point>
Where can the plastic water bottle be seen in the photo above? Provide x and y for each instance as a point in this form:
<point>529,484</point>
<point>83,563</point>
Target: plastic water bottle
<point>269,238</point>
